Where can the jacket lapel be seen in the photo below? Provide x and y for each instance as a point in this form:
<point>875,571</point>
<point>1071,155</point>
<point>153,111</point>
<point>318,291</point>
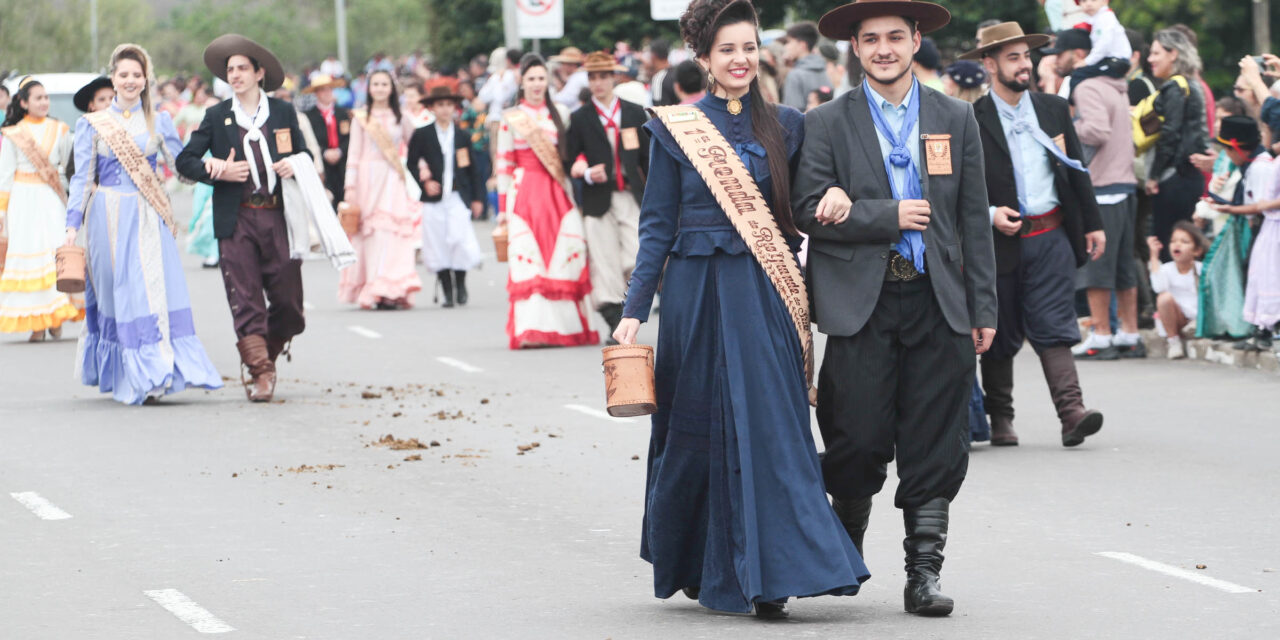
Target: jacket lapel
<point>232,129</point>
<point>864,129</point>
<point>985,111</point>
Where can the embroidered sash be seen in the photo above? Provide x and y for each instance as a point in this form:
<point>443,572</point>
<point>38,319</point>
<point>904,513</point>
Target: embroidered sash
<point>380,137</point>
<point>542,147</point>
<point>134,163</point>
<point>27,145</point>
<point>737,193</point>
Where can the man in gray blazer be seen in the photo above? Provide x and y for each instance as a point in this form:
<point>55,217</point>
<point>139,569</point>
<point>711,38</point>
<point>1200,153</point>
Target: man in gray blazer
<point>901,268</point>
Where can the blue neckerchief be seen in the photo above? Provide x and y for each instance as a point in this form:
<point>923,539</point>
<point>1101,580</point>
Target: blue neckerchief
<point>911,243</point>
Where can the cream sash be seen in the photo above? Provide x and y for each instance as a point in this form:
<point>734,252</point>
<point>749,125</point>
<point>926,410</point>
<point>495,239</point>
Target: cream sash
<point>737,193</point>
<point>134,163</point>
<point>27,144</point>
<point>542,147</point>
<point>382,140</point>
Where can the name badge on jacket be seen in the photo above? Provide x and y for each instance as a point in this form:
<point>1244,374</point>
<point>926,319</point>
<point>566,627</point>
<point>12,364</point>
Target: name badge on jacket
<point>937,153</point>
<point>464,158</point>
<point>284,142</point>
<point>630,139</point>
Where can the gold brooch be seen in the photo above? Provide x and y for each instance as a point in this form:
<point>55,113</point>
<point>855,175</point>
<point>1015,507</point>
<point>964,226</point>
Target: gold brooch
<point>735,106</point>
<point>127,113</point>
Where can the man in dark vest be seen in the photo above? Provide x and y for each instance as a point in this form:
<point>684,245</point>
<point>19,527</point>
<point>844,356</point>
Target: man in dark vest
<point>332,125</point>
<point>250,136</point>
<point>902,275</point>
<point>607,149</point>
<point>1047,222</point>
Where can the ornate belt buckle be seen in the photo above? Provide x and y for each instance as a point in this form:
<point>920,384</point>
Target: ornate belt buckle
<point>257,200</point>
<point>901,268</point>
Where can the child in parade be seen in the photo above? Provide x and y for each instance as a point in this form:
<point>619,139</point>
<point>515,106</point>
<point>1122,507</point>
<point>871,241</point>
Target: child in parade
<point>35,151</point>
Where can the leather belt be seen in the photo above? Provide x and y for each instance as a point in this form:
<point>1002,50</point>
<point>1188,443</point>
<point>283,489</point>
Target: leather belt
<point>259,201</point>
<point>1042,224</point>
<point>900,269</point>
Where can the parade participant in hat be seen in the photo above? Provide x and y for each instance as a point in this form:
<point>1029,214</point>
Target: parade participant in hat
<point>139,341</point>
<point>731,453</point>
<point>33,211</point>
<point>904,282</point>
<point>547,279</point>
<point>610,154</point>
<point>452,190</point>
<point>95,96</point>
<point>332,125</point>
<point>570,78</point>
<point>250,136</point>
<point>964,80</point>
<point>1047,224</point>
<point>384,276</point>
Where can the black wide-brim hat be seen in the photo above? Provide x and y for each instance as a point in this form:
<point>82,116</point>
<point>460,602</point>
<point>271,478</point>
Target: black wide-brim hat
<point>1240,133</point>
<point>233,44</point>
<point>84,97</point>
<point>839,23</point>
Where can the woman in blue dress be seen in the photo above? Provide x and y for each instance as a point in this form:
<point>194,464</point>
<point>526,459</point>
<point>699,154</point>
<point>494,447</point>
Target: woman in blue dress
<point>139,342</point>
<point>736,513</point>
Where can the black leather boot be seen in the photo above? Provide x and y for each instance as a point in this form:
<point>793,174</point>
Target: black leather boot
<point>997,389</point>
<point>772,610</point>
<point>926,528</point>
<point>460,287</point>
<point>446,284</point>
<point>854,515</point>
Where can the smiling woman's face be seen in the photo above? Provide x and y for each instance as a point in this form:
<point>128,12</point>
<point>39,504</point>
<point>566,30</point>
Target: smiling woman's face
<point>128,80</point>
<point>734,58</point>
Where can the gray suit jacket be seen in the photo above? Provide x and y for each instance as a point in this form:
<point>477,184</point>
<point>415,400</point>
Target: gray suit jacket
<point>847,260</point>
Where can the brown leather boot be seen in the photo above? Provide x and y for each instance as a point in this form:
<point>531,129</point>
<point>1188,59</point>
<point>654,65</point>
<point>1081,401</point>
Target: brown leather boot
<point>1078,422</point>
<point>253,353</point>
<point>997,387</point>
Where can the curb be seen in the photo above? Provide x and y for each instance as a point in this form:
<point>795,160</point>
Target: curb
<point>1215,351</point>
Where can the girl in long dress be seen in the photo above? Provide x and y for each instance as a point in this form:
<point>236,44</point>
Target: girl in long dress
<point>139,342</point>
<point>547,278</point>
<point>384,275</point>
<point>736,512</point>
<point>32,215</point>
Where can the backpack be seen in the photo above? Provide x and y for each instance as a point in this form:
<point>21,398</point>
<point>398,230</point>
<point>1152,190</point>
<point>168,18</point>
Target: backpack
<point>1146,122</point>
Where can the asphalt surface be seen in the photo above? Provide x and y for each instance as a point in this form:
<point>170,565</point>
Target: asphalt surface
<point>288,520</point>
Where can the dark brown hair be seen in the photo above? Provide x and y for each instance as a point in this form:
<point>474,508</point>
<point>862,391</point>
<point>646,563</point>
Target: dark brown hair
<point>699,26</point>
<point>1197,236</point>
<point>16,111</point>
<point>529,61</point>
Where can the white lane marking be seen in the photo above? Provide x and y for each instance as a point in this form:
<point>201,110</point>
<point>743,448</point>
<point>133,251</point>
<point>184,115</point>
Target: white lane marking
<point>458,364</point>
<point>188,611</point>
<point>363,332</point>
<point>1177,572</point>
<point>596,413</point>
<point>39,506</point>
<point>307,305</point>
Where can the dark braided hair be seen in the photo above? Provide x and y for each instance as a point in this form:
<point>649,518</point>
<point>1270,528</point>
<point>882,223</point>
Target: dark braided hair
<point>527,62</point>
<point>698,27</point>
<point>16,112</point>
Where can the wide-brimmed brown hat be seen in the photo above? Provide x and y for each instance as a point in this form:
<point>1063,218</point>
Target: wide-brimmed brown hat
<point>234,44</point>
<point>569,55</point>
<point>839,23</point>
<point>999,35</point>
<point>440,92</point>
<point>324,81</point>
<point>598,61</point>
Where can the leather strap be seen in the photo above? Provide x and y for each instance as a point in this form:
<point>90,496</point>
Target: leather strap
<point>38,158</point>
<point>737,193</point>
<point>542,147</point>
<point>134,163</point>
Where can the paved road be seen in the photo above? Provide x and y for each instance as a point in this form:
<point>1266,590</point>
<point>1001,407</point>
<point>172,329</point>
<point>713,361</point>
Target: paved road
<point>289,521</point>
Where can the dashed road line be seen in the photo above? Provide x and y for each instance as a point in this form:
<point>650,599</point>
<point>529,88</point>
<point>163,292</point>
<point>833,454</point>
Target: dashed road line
<point>363,332</point>
<point>596,413</point>
<point>188,611</point>
<point>458,364</point>
<point>39,506</point>
<point>1177,572</point>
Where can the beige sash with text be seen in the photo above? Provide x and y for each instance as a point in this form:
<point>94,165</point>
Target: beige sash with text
<point>380,137</point>
<point>542,147</point>
<point>134,163</point>
<point>27,144</point>
<point>737,193</point>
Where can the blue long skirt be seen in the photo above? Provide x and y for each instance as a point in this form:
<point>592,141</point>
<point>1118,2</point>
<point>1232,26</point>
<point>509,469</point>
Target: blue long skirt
<point>139,337</point>
<point>735,502</point>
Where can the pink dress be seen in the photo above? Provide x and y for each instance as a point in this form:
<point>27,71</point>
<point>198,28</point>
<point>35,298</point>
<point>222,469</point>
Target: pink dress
<point>1262,289</point>
<point>384,270</point>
